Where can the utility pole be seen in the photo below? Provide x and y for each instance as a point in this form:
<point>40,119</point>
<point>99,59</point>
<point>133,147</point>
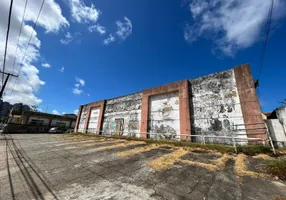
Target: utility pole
<point>5,83</point>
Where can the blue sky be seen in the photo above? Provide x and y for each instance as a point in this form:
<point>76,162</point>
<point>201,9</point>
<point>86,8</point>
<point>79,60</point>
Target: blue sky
<point>152,43</point>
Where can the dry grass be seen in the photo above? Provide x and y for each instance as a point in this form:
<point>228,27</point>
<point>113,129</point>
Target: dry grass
<point>137,150</point>
<point>262,156</point>
<point>125,144</point>
<point>240,168</point>
<point>99,143</point>
<point>279,198</point>
<point>75,142</point>
<point>209,167</point>
<point>220,162</point>
<point>167,161</point>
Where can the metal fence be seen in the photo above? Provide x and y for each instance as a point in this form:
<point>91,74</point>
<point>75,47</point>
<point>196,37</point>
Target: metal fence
<point>203,137</point>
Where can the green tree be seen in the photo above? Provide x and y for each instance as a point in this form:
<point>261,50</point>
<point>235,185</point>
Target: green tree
<point>283,102</point>
<point>34,108</point>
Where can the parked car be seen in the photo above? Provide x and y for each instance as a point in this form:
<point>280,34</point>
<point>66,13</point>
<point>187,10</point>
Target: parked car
<point>57,130</point>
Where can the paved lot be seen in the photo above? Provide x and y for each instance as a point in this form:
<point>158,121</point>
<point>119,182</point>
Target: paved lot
<point>42,166</point>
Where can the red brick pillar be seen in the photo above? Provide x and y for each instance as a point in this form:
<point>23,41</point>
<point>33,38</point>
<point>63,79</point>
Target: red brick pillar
<point>249,102</point>
<point>144,116</point>
<point>185,120</point>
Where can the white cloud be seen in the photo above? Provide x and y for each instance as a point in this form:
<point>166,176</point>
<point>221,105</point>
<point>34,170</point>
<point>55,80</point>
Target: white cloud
<point>98,28</point>
<point>231,24</point>
<point>69,37</point>
<point>124,28</point>
<point>28,82</point>
<point>77,91</point>
<point>80,81</point>
<point>75,112</point>
<point>55,112</point>
<point>46,65</point>
<point>63,113</point>
<point>82,13</point>
<point>109,40</point>
<point>62,69</point>
<point>88,95</point>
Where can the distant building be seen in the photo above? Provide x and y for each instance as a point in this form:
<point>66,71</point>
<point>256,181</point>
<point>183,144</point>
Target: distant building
<point>30,121</point>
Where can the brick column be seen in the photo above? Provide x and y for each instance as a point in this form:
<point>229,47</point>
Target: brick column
<point>249,102</point>
<point>144,116</point>
<point>78,118</point>
<point>184,106</point>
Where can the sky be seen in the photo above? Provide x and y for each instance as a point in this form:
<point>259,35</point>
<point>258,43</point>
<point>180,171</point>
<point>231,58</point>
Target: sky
<point>82,51</point>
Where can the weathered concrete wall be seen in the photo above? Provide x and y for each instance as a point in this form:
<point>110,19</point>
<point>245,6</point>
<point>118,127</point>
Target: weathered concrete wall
<point>46,120</point>
<point>93,120</point>
<point>215,105</point>
<point>56,122</point>
<point>73,124</point>
<point>82,119</point>
<point>164,116</point>
<point>127,109</point>
<point>281,115</point>
<point>277,132</point>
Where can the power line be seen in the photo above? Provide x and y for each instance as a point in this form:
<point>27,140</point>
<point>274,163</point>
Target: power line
<point>35,24</point>
<point>23,16</point>
<point>7,38</point>
<point>268,25</point>
<point>34,27</point>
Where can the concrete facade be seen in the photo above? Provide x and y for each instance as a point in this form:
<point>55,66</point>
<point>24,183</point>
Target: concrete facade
<point>215,105</point>
<point>220,104</point>
<point>277,126</point>
<point>122,115</point>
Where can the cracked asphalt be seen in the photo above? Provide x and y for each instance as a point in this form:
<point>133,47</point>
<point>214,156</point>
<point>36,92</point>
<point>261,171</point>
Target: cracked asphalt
<point>44,166</point>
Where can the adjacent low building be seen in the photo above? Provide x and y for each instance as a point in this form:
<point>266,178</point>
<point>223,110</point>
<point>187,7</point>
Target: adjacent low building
<point>37,122</point>
<point>276,122</point>
<point>215,107</point>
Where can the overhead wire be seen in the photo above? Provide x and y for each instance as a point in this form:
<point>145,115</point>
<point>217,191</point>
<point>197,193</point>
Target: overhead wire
<point>19,36</point>
<point>35,24</point>
<point>23,59</point>
<point>7,39</point>
<point>20,32</point>
<point>268,25</point>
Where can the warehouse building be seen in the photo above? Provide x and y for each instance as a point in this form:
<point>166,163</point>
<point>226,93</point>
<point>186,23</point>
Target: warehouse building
<point>222,104</point>
<point>37,122</point>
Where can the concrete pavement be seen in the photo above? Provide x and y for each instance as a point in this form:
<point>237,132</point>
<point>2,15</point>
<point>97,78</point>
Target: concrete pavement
<point>43,166</point>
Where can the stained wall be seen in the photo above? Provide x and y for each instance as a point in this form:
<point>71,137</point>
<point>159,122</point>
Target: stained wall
<point>127,109</point>
<point>215,105</point>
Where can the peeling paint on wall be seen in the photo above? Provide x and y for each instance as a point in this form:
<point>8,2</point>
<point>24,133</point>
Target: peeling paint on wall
<point>82,119</point>
<point>93,120</point>
<point>164,116</point>
<point>215,105</point>
<point>122,115</point>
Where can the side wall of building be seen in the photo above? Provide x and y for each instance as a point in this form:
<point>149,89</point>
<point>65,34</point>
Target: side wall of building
<point>122,115</point>
<point>215,105</point>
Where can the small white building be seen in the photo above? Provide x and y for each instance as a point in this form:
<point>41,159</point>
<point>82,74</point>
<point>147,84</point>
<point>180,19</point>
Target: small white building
<point>276,123</point>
